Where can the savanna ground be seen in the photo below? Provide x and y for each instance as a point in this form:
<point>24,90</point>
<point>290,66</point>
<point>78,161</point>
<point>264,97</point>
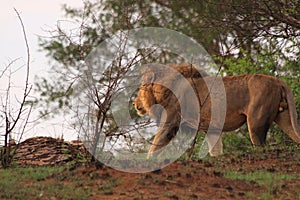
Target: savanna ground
<point>272,172</point>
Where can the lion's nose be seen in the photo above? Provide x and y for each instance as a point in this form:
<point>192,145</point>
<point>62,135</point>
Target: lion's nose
<point>139,108</point>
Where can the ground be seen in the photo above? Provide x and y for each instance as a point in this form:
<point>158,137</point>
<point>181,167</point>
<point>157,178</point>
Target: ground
<point>266,173</point>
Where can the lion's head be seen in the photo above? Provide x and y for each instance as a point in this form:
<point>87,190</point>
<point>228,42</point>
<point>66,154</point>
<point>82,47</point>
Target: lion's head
<point>150,93</point>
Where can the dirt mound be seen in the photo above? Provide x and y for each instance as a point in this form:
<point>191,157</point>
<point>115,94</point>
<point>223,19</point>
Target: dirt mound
<point>48,151</point>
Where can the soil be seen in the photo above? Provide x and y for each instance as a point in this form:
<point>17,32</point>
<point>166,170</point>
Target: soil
<point>204,179</point>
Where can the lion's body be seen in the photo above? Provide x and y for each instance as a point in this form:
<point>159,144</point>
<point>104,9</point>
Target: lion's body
<point>257,100</point>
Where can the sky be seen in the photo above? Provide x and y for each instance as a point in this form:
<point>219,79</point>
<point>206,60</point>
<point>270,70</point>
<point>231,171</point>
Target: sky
<point>38,17</point>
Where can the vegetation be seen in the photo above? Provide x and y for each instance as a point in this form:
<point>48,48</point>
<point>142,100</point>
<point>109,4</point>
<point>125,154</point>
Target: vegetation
<point>261,177</point>
<point>241,36</point>
<point>260,36</point>
<point>51,183</point>
<point>244,37</point>
<point>273,182</point>
<point>14,111</point>
<point>226,174</point>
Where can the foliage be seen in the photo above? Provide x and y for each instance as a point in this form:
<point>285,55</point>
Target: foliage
<point>243,37</point>
<point>229,28</point>
<point>237,142</point>
<point>269,64</point>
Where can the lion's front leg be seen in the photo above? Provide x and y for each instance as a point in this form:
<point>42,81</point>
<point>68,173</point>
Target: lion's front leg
<point>162,138</point>
<point>215,144</point>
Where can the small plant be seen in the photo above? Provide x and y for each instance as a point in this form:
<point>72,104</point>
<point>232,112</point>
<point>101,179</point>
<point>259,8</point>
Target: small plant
<point>237,141</point>
<point>108,187</point>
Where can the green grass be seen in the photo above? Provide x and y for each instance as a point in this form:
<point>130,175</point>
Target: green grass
<point>53,183</point>
<point>238,144</point>
<point>37,173</point>
<point>274,182</point>
<point>261,177</point>
<point>31,183</point>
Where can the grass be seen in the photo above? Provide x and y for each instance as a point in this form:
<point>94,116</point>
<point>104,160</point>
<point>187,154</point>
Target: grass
<point>61,183</point>
<point>261,177</point>
<point>54,183</point>
<point>29,183</point>
<point>273,182</point>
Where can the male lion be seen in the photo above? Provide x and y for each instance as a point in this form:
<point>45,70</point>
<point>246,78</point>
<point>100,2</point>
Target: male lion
<point>256,99</point>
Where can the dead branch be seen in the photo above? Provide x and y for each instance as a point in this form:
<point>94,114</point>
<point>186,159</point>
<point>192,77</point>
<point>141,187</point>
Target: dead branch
<point>11,122</point>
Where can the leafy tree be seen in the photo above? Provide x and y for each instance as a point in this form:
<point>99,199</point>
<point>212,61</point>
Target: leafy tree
<point>260,36</point>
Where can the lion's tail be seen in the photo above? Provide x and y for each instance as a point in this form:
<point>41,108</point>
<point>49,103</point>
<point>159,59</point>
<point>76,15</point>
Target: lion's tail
<point>295,134</point>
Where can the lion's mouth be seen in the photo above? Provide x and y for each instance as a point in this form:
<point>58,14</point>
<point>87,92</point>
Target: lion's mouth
<point>141,112</point>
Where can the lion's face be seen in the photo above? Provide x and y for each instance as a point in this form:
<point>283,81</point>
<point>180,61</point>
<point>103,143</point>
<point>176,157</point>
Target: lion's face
<point>144,100</point>
<point>139,107</point>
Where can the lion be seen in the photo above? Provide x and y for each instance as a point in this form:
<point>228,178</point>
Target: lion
<point>255,99</point>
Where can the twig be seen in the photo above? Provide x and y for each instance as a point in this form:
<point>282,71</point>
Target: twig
<point>8,66</point>
<point>27,88</point>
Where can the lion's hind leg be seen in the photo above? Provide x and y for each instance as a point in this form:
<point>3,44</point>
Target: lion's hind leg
<point>258,126</point>
<point>258,134</point>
